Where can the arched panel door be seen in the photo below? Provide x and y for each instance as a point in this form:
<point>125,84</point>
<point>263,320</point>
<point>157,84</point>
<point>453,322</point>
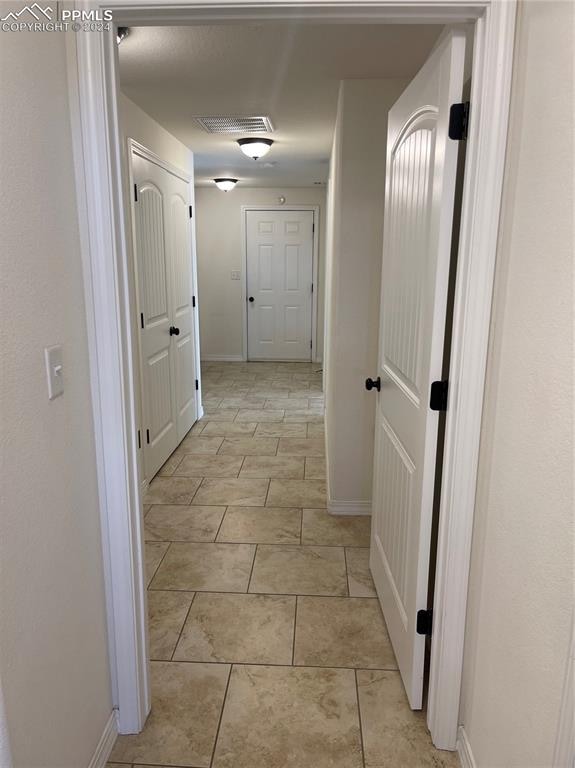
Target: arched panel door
<point>420,190</point>
<point>163,264</point>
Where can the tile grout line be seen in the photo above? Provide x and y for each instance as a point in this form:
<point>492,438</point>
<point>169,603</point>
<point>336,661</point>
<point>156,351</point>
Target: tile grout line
<point>226,507</point>
<point>359,718</point>
<point>159,564</point>
<point>346,571</point>
<point>361,668</point>
<point>241,466</point>
<point>267,492</point>
<point>221,716</point>
<point>251,571</point>
<point>271,594</point>
<point>182,627</point>
<point>196,491</point>
<point>294,632</point>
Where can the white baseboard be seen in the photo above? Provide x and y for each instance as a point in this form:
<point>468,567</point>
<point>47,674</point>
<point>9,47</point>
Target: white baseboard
<point>222,359</point>
<point>464,749</point>
<point>349,507</point>
<point>106,743</point>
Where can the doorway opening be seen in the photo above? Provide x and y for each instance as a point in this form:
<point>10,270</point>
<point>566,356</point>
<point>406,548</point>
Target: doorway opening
<point>207,482</point>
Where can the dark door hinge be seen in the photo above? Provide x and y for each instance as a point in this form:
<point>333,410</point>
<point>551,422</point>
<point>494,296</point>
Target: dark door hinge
<point>193,301</point>
<point>136,193</point>
<point>313,228</point>
<point>190,209</point>
<point>459,121</point>
<point>139,440</point>
<point>424,622</point>
<point>438,396</point>
<point>197,384</point>
<point>148,436</point>
<point>312,287</point>
<point>142,319</point>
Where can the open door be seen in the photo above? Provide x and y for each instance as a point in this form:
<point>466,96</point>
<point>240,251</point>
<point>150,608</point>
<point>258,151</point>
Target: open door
<point>419,193</point>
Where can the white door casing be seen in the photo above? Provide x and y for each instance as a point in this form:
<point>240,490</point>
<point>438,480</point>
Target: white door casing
<point>104,204</point>
<point>420,188</point>
<point>164,297</point>
<point>279,279</point>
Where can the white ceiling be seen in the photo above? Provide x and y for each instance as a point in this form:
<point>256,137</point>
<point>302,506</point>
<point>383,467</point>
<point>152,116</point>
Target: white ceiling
<point>290,72</point>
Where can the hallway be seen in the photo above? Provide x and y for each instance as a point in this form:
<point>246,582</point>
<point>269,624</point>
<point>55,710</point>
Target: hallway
<point>267,642</point>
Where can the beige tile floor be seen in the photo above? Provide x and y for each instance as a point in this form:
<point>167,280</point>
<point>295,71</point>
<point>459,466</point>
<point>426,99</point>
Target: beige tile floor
<point>267,642</point>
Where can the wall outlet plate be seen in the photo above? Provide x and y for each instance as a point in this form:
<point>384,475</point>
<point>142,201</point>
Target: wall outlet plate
<point>236,274</point>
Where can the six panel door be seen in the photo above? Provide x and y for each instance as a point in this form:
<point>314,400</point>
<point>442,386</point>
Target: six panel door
<point>279,284</point>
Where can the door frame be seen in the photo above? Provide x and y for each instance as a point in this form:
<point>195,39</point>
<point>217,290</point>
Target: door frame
<point>315,258</point>
<point>134,146</point>
<point>93,91</point>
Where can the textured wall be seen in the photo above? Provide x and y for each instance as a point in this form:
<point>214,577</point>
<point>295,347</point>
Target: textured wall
<point>521,588</point>
<point>53,645</point>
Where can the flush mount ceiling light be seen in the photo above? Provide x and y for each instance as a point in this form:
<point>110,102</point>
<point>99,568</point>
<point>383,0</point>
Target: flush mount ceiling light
<point>121,34</point>
<point>225,184</point>
<point>255,148</point>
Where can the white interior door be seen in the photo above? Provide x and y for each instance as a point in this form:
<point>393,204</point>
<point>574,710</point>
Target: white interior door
<point>163,262</point>
<point>420,188</point>
<point>182,309</point>
<point>279,284</point>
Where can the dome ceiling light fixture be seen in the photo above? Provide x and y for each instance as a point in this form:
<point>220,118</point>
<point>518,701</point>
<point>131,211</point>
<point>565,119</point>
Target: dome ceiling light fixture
<point>255,148</point>
<point>225,184</point>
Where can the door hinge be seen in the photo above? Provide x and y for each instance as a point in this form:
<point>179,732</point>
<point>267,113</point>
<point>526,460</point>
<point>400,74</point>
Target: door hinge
<point>142,319</point>
<point>139,440</point>
<point>438,396</point>
<point>190,209</point>
<point>310,343</point>
<point>312,287</point>
<point>459,121</point>
<point>197,384</point>
<point>135,193</point>
<point>193,301</point>
<point>424,622</point>
<point>148,436</point>
<point>313,228</point>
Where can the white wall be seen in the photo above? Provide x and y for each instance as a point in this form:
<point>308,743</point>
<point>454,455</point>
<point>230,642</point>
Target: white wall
<point>521,588</point>
<point>136,124</point>
<point>356,197</point>
<point>219,246</point>
<point>53,644</point>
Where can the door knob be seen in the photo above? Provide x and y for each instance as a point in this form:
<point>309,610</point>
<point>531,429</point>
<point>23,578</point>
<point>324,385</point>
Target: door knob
<point>174,331</point>
<point>251,299</point>
<point>373,384</point>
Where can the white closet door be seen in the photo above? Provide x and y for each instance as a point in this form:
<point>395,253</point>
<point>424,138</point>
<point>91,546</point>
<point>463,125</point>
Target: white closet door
<point>163,262</point>
<point>279,284</point>
<point>182,310</point>
<point>420,189</point>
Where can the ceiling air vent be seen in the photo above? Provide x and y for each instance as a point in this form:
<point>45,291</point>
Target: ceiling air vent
<point>235,124</point>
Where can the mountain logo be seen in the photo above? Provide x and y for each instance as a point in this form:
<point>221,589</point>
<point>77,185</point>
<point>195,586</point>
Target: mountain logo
<point>35,10</point>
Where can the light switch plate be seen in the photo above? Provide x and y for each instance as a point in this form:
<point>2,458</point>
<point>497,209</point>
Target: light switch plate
<point>236,274</point>
<point>54,370</point>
